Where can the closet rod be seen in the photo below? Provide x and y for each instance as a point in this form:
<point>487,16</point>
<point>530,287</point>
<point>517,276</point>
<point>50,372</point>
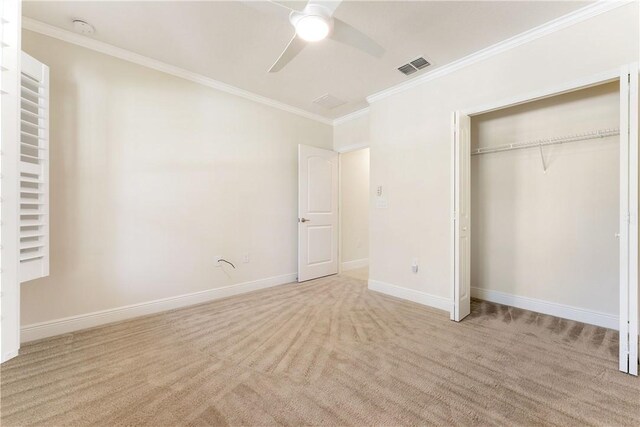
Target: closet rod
<point>548,141</point>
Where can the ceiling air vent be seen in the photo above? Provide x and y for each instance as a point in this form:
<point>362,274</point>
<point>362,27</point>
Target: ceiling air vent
<point>414,66</point>
<point>329,101</point>
<point>420,63</point>
<point>407,69</point>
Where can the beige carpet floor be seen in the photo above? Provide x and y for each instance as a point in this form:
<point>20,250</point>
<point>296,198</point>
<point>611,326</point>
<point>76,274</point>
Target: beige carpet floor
<point>359,273</point>
<point>327,352</point>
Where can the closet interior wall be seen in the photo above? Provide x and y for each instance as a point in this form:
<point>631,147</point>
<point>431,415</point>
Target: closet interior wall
<point>548,235</point>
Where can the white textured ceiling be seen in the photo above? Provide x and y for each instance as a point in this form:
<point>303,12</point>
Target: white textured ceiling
<point>236,42</point>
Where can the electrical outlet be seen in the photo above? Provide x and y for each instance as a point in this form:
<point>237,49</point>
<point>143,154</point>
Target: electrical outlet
<point>414,265</point>
<point>245,258</point>
<point>215,260</point>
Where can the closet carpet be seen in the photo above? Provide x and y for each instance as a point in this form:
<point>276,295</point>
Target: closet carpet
<point>327,352</point>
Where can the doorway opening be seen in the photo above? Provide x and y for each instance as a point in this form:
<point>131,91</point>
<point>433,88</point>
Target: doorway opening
<point>354,213</point>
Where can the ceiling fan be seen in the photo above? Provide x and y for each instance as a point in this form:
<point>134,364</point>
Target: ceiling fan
<point>316,22</point>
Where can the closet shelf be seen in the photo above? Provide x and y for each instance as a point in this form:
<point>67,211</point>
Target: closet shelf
<point>548,141</point>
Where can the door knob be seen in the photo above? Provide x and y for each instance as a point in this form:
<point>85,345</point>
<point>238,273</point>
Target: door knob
<point>304,220</point>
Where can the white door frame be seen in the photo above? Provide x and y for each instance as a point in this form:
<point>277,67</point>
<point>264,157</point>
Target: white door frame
<point>628,198</point>
<point>628,356</point>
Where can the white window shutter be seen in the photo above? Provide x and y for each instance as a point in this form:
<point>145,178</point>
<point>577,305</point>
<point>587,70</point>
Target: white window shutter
<point>10,26</point>
<point>34,169</point>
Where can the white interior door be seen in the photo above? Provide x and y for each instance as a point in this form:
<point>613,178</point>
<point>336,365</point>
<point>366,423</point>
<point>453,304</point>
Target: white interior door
<point>629,219</point>
<point>461,217</point>
<point>317,212</point>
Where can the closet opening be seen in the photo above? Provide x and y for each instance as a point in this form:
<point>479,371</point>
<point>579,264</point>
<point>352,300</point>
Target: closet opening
<point>354,213</point>
<point>545,205</point>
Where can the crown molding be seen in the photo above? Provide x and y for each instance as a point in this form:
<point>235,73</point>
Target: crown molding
<point>126,55</point>
<point>545,29</point>
<point>351,116</point>
<point>550,27</point>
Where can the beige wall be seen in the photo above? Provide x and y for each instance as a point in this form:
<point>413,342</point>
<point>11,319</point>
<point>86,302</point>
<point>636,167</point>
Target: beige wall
<point>354,206</point>
<point>411,139</point>
<point>153,176</point>
<point>549,235</point>
<point>352,133</point>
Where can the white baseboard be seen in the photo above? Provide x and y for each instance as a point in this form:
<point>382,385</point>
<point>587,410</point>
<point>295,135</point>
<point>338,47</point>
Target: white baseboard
<point>411,295</point>
<point>356,263</point>
<point>545,307</point>
<point>74,323</point>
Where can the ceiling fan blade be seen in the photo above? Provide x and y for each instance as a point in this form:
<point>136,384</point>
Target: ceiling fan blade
<point>345,33</point>
<point>294,47</point>
<point>297,5</point>
<point>329,5</point>
<point>268,8</point>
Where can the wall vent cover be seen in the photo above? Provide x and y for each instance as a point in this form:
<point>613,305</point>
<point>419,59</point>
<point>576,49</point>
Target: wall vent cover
<point>329,101</point>
<point>414,66</point>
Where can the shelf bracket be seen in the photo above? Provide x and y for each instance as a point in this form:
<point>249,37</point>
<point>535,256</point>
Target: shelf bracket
<point>544,164</point>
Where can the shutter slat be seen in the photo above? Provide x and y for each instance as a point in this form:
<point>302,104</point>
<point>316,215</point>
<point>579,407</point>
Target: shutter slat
<point>34,147</point>
<point>28,156</point>
<point>34,125</point>
<point>31,223</point>
<point>27,212</point>
<point>31,257</point>
<point>32,114</point>
<point>32,135</point>
<point>30,168</point>
<point>31,180</point>
<point>32,92</point>
<point>32,246</point>
<point>28,235</point>
<point>30,81</point>
<point>31,103</point>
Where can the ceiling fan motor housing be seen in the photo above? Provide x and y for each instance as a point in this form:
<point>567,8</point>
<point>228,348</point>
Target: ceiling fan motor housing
<point>311,10</point>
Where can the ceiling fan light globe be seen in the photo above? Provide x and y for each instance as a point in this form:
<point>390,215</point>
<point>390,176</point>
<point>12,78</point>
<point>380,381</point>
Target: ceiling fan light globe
<point>312,28</point>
